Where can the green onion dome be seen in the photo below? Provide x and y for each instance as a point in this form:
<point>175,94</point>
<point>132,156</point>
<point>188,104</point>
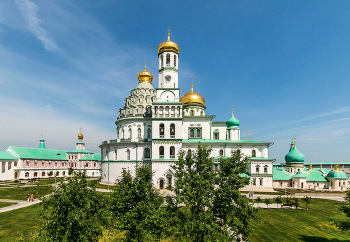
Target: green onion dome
<point>232,122</point>
<point>337,173</point>
<point>294,155</point>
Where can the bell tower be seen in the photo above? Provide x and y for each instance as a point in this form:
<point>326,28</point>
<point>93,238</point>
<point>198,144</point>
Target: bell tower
<point>168,56</point>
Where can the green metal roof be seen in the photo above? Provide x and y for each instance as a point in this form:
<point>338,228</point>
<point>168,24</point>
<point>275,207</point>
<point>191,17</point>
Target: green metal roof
<point>294,156</point>
<point>337,175</point>
<point>97,157</point>
<point>281,175</point>
<point>232,122</point>
<point>299,174</point>
<point>5,155</point>
<point>261,158</point>
<point>314,175</point>
<point>80,151</point>
<point>224,141</point>
<point>220,156</point>
<point>244,175</point>
<point>39,153</point>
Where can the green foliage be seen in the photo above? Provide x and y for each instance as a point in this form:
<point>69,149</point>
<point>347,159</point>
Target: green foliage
<point>136,204</point>
<point>343,224</point>
<point>74,212</point>
<point>258,200</point>
<point>214,208</point>
<point>267,202</point>
<point>278,200</point>
<point>307,201</point>
<point>295,202</point>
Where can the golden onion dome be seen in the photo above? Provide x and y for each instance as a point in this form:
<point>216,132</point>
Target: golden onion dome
<point>192,98</point>
<point>168,46</point>
<point>80,135</point>
<point>145,76</point>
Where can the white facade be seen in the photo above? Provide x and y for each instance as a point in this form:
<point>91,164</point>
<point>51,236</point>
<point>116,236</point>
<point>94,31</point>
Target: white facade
<point>175,123</point>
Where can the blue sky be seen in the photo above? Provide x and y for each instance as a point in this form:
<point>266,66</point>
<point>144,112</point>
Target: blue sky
<point>283,64</point>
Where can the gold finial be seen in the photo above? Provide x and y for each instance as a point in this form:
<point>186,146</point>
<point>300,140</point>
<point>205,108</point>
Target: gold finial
<point>247,136</point>
<point>232,108</point>
<point>295,140</point>
<point>191,84</point>
<point>310,167</point>
<point>145,66</point>
<point>168,33</point>
<point>250,137</point>
<point>336,168</point>
<point>42,136</point>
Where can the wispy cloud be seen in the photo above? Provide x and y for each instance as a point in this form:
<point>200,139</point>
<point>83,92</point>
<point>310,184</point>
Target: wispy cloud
<point>338,111</point>
<point>29,12</point>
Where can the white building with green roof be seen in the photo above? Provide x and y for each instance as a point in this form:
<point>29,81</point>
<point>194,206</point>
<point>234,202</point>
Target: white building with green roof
<point>294,175</point>
<point>31,163</point>
<point>155,123</point>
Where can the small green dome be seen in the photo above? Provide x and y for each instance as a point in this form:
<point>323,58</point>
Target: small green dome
<point>232,122</point>
<point>337,173</point>
<point>294,155</point>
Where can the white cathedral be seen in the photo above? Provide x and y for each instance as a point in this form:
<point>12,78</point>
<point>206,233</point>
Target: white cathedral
<point>156,123</point>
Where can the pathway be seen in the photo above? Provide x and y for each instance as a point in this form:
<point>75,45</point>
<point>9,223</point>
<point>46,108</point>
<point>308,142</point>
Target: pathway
<point>20,204</point>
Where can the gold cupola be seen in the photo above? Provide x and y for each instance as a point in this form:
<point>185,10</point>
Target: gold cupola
<point>192,98</point>
<point>80,135</point>
<point>168,46</point>
<point>145,76</point>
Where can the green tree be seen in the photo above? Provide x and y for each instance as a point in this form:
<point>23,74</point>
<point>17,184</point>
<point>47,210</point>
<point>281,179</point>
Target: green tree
<point>278,200</point>
<point>258,200</point>
<point>214,209</point>
<point>307,201</point>
<point>342,224</point>
<point>136,205</point>
<point>267,202</point>
<point>73,212</point>
<point>296,202</point>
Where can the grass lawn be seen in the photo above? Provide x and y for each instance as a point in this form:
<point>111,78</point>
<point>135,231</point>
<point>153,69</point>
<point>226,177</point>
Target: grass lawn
<point>6,204</point>
<point>102,186</point>
<point>20,193</point>
<point>300,225</point>
<point>19,222</point>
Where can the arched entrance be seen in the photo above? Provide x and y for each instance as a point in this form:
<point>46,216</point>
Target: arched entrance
<point>35,174</point>
<point>161,184</point>
<point>16,175</point>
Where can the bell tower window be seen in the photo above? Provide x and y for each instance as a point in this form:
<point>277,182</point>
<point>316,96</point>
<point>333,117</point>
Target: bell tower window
<point>161,61</point>
<point>175,60</point>
<point>167,59</point>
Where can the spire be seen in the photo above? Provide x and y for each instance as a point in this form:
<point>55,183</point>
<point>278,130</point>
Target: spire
<point>191,84</point>
<point>232,109</point>
<point>168,33</point>
<point>42,142</point>
<point>145,66</point>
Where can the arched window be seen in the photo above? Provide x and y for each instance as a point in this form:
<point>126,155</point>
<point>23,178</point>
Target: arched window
<point>130,133</point>
<point>221,152</point>
<point>128,155</point>
<point>216,167</point>
<point>172,152</point>
<point>147,153</point>
<point>35,174</point>
<point>26,174</point>
<point>141,100</point>
<point>216,134</point>
<point>172,130</point>
<point>161,184</point>
<point>191,133</point>
<point>115,154</point>
<point>253,153</point>
<point>139,110</point>
<point>167,60</point>
<point>189,152</point>
<point>43,173</point>
<point>161,61</point>
<point>161,130</point>
<point>261,181</point>
<point>139,132</point>
<point>149,134</point>
<point>202,113</point>
<point>161,152</point>
<point>123,133</point>
<point>174,60</point>
<point>63,173</point>
<point>199,133</point>
<point>192,113</point>
<point>228,135</point>
<point>257,168</point>
<point>265,169</point>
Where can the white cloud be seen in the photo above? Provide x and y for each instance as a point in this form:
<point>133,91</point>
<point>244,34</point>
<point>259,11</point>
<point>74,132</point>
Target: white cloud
<point>29,12</point>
